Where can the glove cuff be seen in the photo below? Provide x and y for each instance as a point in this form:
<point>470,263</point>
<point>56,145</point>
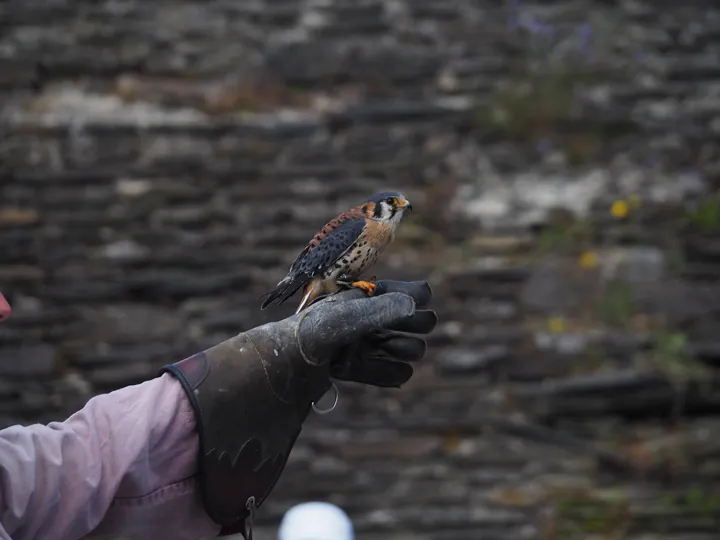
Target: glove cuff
<point>251,395</point>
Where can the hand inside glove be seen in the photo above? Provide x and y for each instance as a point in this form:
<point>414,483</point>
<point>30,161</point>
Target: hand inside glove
<point>366,340</point>
<point>252,393</point>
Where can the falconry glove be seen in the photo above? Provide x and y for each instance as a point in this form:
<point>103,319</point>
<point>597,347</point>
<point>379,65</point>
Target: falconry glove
<point>252,393</point>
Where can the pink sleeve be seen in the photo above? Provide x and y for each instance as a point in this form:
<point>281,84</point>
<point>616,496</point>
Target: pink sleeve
<point>125,464</point>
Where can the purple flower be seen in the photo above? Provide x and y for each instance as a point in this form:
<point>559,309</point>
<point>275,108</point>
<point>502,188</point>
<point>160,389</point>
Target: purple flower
<point>544,146</point>
<point>536,27</point>
<point>585,33</point>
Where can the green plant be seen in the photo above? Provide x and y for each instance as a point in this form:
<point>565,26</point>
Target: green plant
<point>530,104</point>
<point>565,235</point>
<point>671,357</point>
<point>617,303</point>
<point>706,216</point>
<point>580,516</point>
<point>695,499</point>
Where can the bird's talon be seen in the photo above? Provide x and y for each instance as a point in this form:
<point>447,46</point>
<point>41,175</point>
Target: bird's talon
<point>366,286</point>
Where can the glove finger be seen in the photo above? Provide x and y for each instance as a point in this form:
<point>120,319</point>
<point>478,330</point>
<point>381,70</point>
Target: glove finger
<point>332,324</point>
<point>376,371</point>
<point>419,290</point>
<point>423,321</point>
<point>401,347</point>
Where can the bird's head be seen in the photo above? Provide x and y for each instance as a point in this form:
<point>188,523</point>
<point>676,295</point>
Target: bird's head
<point>386,206</point>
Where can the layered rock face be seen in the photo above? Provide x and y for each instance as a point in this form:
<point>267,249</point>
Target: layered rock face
<point>162,163</point>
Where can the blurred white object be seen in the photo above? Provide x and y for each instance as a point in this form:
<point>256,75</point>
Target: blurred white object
<point>316,521</point>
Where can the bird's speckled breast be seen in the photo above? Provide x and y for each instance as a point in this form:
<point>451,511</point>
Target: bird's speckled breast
<point>364,253</point>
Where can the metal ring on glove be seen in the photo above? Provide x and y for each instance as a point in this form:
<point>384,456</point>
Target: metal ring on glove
<point>331,409</point>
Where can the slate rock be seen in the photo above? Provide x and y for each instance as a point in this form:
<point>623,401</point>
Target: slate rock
<point>118,376</point>
<point>130,323</point>
<point>170,284</point>
<point>28,361</point>
<point>461,361</point>
<point>120,355</point>
<point>159,221</point>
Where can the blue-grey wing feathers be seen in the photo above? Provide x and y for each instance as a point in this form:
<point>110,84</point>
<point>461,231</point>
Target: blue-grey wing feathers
<point>315,259</point>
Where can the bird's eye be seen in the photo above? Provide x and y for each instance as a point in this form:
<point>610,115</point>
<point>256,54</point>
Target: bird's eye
<point>392,201</point>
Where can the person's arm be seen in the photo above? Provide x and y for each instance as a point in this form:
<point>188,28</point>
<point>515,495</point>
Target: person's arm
<point>125,464</point>
<point>196,451</point>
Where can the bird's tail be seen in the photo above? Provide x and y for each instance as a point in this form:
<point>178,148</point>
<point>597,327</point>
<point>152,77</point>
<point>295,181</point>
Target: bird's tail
<point>305,299</point>
<point>282,291</point>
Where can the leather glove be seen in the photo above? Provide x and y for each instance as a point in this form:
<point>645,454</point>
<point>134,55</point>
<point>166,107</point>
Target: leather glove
<point>252,393</point>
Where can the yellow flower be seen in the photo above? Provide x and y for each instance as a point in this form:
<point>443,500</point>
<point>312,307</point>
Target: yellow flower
<point>620,209</point>
<point>588,259</point>
<point>557,324</point>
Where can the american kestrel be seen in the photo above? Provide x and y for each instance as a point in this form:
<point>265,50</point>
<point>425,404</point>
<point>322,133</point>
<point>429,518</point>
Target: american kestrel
<point>345,247</point>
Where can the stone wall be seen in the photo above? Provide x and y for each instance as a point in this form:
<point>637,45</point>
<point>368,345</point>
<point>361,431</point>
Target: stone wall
<point>163,162</point>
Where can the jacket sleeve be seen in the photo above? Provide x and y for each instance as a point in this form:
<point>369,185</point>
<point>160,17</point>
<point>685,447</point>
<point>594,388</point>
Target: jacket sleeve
<point>125,464</point>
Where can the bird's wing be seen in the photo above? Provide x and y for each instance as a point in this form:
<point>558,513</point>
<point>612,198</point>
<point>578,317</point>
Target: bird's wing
<point>328,249</point>
<point>329,245</point>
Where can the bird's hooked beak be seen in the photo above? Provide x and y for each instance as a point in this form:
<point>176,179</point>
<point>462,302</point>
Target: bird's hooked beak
<point>405,205</point>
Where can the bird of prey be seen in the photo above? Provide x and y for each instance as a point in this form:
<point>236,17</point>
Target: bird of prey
<point>345,247</point>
